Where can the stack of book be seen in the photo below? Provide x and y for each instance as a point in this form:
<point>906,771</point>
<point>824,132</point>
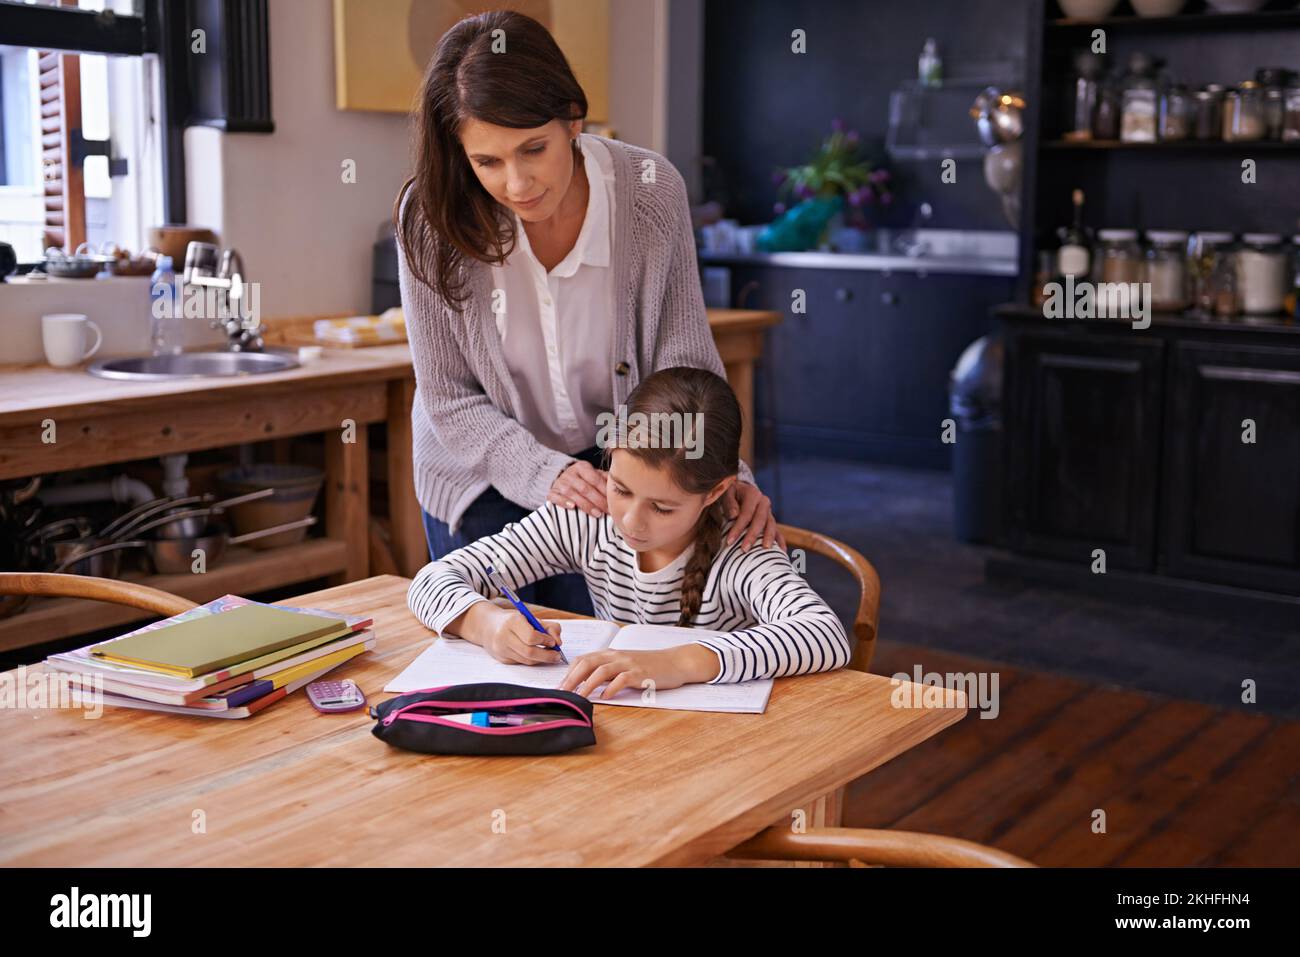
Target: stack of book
<point>229,658</point>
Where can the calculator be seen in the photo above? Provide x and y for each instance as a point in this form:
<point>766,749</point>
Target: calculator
<point>331,697</point>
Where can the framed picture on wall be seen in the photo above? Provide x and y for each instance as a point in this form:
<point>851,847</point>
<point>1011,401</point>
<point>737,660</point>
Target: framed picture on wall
<point>381,49</point>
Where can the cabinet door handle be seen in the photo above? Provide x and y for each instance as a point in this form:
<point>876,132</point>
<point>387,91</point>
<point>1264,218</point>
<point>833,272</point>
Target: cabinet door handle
<point>889,298</point>
<point>843,294</point>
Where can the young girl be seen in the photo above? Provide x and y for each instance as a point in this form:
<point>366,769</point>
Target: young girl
<point>656,558</point>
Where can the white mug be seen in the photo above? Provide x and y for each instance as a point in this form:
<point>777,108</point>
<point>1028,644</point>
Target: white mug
<point>64,335</point>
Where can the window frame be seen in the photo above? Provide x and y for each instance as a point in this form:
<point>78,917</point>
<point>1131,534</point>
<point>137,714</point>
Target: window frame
<point>163,30</point>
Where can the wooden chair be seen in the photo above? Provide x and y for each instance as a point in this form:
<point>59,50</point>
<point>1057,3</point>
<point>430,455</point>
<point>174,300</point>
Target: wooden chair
<point>95,589</point>
<point>852,845</point>
<point>868,615</point>
<point>857,846</point>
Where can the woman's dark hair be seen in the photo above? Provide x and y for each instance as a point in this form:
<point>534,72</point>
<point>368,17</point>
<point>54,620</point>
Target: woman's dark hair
<point>451,217</point>
<point>683,392</point>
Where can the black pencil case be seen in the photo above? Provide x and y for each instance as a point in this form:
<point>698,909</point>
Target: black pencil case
<point>556,721</point>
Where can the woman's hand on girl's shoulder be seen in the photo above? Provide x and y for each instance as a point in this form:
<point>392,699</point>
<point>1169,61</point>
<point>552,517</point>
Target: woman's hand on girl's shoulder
<point>580,485</point>
<point>752,511</point>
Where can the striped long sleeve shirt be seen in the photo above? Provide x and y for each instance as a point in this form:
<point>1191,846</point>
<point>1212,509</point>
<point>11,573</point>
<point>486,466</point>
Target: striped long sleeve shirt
<point>773,623</point>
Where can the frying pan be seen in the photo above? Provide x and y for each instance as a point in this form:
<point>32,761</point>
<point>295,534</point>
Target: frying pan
<point>174,555</point>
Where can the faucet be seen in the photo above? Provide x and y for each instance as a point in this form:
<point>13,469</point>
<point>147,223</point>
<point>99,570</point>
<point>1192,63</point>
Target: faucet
<point>243,334</point>
<point>908,244</point>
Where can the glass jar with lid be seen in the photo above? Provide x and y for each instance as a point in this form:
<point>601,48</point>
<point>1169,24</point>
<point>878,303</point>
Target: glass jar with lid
<point>1243,113</point>
<point>1208,101</point>
<point>1138,115</point>
<point>1291,120</point>
<point>1272,82</point>
<point>1120,255</point>
<point>1166,270</point>
<point>1263,273</point>
<point>1177,113</point>
<point>1205,251</point>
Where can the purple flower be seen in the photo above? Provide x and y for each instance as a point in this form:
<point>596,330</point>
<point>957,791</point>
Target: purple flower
<point>878,175</point>
<point>778,208</point>
<point>779,177</point>
<point>855,198</point>
<point>837,125</point>
<point>804,191</point>
<point>868,197</point>
<point>853,136</point>
<point>887,198</point>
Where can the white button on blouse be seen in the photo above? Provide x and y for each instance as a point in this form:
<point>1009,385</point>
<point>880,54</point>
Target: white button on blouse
<point>557,328</point>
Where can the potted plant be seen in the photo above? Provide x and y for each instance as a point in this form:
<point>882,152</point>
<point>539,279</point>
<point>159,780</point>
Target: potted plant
<point>833,193</point>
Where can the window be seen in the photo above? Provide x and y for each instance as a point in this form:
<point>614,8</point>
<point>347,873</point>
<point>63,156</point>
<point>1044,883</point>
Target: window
<point>82,128</point>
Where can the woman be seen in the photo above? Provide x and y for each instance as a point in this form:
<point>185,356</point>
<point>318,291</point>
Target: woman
<point>544,272</point>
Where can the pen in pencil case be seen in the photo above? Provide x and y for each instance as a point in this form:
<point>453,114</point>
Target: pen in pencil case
<point>502,587</point>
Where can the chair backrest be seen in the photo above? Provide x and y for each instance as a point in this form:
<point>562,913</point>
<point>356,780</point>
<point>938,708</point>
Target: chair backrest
<point>95,589</point>
<point>866,620</point>
<point>857,845</point>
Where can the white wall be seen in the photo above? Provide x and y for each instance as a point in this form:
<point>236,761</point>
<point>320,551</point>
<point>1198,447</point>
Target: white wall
<point>280,199</point>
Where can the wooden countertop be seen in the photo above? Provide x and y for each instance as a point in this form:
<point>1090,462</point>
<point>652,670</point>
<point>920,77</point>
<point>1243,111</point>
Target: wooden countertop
<point>30,391</point>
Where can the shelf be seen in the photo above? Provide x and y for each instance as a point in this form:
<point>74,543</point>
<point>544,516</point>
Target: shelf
<point>1191,319</point>
<point>242,571</point>
<point>1183,23</point>
<point>1180,146</point>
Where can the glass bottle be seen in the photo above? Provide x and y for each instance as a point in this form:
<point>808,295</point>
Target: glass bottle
<point>1223,283</point>
<point>1105,119</point>
<point>1074,257</point>
<point>1204,251</point>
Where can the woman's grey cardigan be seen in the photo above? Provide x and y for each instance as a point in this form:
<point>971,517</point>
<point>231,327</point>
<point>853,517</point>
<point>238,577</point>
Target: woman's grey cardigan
<point>465,434</point>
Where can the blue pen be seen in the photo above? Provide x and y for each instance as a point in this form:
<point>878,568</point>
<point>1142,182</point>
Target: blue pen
<point>497,580</point>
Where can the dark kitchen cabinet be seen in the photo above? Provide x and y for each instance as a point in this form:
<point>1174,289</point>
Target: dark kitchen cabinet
<point>1083,423</point>
<point>1133,442</point>
<point>1232,507</point>
<point>862,373</point>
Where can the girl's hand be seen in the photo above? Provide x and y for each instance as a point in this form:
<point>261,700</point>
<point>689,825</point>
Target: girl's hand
<point>664,669</point>
<point>752,511</point>
<point>580,485</point>
<point>506,635</point>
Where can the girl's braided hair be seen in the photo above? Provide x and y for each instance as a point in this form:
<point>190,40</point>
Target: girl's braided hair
<point>700,407</point>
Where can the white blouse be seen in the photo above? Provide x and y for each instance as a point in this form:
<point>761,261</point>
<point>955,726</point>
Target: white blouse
<point>557,328</point>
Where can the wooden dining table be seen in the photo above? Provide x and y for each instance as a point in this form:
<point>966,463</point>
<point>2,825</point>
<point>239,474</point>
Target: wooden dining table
<point>294,787</point>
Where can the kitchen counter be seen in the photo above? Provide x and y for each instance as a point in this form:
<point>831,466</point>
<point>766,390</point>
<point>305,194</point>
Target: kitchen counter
<point>57,420</point>
<point>29,391</point>
<point>874,262</point>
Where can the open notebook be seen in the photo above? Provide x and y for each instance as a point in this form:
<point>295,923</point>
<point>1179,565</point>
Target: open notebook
<point>454,661</point>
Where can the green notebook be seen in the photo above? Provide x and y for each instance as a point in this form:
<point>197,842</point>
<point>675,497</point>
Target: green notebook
<point>200,645</point>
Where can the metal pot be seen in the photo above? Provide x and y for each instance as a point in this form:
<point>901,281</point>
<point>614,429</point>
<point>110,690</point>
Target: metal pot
<point>95,560</point>
<point>174,555</point>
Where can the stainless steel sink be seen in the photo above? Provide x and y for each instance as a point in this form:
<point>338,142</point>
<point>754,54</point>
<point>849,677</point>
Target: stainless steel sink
<point>193,365</point>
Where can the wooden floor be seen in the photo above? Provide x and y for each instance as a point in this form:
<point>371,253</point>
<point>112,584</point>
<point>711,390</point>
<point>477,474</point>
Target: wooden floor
<point>1181,783</point>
